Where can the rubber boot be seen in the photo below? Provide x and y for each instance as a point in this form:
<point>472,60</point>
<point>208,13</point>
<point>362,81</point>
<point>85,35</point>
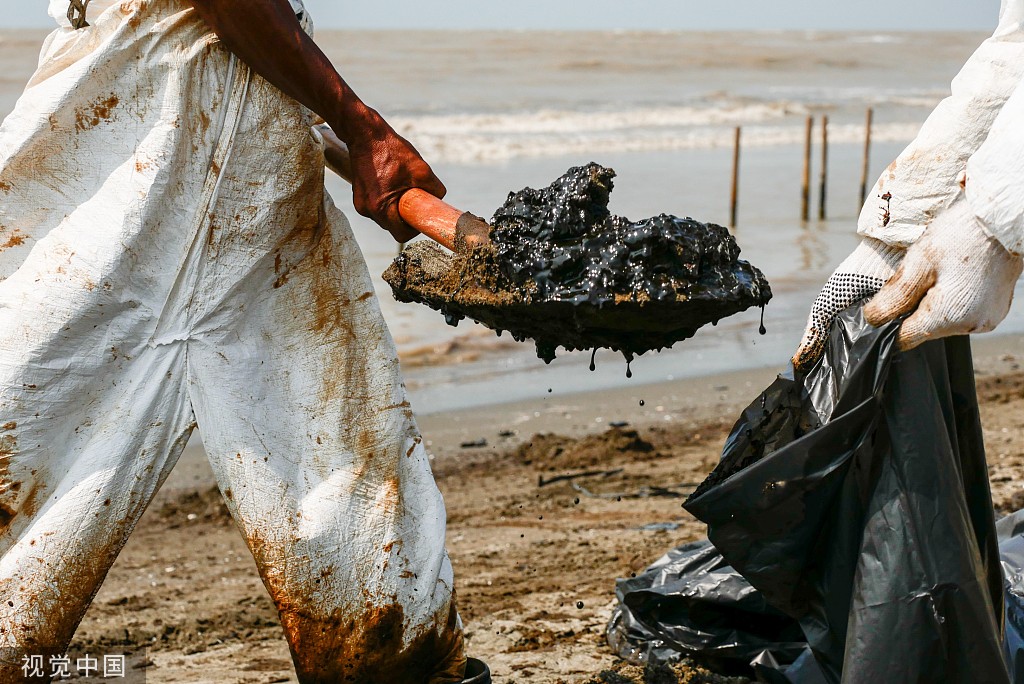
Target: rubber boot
<point>477,672</point>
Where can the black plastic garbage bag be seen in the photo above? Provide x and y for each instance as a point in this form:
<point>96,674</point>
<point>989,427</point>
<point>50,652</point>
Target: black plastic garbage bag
<point>856,500</point>
<point>1011,549</point>
<point>690,602</point>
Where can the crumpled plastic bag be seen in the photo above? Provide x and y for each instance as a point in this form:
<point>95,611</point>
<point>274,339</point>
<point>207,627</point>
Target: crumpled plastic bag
<point>700,605</point>
<point>690,602</point>
<point>1011,549</point>
<point>856,501</point>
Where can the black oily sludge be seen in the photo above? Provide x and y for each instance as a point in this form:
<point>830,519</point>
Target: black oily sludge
<point>564,271</point>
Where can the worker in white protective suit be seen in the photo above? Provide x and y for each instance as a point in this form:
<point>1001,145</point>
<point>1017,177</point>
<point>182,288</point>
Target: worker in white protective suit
<point>168,259</point>
<point>944,235</point>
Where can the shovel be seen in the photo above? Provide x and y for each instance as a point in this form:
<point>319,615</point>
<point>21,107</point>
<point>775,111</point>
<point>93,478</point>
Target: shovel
<point>649,284</point>
<point>459,231</point>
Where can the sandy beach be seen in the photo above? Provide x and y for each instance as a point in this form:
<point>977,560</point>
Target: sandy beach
<point>535,561</point>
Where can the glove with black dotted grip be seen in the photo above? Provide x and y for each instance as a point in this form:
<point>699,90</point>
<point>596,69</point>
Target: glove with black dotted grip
<point>861,275</point>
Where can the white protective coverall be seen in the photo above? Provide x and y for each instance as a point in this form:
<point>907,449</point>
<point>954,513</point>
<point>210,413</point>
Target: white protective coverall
<point>980,128</point>
<point>169,258</point>
<point>962,177</point>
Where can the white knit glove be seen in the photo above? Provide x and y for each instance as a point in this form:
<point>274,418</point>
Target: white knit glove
<point>861,275</point>
<point>958,277</point>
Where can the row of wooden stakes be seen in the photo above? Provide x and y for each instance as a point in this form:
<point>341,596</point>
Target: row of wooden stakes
<point>805,187</point>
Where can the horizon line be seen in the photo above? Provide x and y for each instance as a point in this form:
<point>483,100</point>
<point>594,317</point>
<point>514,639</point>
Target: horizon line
<point>494,29</point>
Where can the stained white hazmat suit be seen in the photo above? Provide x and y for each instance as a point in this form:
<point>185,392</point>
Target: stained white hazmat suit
<point>963,176</point>
<point>168,259</point>
<point>979,129</point>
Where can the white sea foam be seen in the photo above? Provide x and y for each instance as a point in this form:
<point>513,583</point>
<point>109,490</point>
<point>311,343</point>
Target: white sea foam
<point>483,139</point>
<point>876,39</point>
<point>560,121</point>
<point>864,95</point>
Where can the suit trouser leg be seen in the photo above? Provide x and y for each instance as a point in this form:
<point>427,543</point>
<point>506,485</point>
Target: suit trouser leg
<point>84,445</point>
<point>303,413</point>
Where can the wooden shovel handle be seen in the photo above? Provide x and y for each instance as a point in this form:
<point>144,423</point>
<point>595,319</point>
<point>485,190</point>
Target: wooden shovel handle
<point>431,216</point>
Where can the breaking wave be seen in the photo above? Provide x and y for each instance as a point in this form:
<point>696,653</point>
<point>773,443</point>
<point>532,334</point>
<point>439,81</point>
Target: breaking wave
<point>495,138</point>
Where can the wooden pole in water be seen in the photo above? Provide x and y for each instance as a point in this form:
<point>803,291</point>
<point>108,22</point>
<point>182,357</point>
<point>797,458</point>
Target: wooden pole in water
<point>867,156</point>
<point>824,168</point>
<point>734,197</point>
<point>805,188</point>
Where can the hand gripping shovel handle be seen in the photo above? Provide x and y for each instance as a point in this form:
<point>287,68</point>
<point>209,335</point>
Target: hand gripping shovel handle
<point>453,228</point>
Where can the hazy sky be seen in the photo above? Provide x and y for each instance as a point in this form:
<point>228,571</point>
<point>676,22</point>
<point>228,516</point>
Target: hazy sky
<point>870,15</point>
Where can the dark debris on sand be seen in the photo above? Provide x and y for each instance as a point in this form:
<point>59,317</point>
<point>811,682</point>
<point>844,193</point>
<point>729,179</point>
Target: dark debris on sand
<point>684,672</point>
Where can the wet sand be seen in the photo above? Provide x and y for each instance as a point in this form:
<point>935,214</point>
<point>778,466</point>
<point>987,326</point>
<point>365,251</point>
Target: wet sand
<point>535,563</point>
